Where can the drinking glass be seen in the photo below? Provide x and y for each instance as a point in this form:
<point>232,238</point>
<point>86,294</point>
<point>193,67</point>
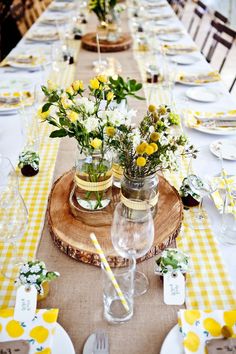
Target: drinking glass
<point>227,233</point>
<point>13,217</point>
<point>132,239</point>
<point>114,310</point>
<point>200,181</point>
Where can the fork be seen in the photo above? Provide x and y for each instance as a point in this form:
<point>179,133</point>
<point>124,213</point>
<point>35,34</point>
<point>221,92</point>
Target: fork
<point>101,345</point>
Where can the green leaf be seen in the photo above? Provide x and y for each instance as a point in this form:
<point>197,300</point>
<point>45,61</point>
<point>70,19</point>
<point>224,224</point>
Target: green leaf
<point>46,107</point>
<point>58,133</point>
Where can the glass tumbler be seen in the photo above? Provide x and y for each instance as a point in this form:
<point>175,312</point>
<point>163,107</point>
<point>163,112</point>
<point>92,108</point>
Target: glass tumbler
<point>114,310</point>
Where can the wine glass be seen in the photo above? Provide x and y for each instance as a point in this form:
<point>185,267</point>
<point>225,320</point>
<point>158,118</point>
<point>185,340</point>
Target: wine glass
<point>13,218</point>
<point>200,179</point>
<point>132,238</point>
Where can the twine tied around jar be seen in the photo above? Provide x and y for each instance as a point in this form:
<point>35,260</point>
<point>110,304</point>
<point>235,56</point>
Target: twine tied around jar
<point>93,186</point>
<point>139,205</point>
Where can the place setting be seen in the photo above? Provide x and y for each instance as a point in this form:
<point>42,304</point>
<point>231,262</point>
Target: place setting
<point>42,35</point>
<point>197,79</point>
<point>185,59</point>
<point>215,123</point>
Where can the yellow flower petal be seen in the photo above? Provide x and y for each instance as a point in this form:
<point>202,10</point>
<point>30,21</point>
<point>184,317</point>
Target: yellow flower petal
<point>73,116</point>
<point>78,85</point>
<point>96,143</point>
<point>141,161</point>
<point>102,78</point>
<point>94,84</point>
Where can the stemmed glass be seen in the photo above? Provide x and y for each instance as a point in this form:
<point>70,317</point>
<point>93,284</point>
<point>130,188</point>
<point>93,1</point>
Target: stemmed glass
<point>200,181</point>
<point>132,238</point>
<point>13,217</point>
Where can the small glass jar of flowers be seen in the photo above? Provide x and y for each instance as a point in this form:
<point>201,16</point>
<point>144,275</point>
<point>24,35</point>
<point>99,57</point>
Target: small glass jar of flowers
<point>172,260</point>
<point>91,121</point>
<point>154,145</point>
<point>107,12</point>
<point>34,273</point>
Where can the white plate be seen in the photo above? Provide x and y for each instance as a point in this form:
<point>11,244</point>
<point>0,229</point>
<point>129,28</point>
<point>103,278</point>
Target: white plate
<point>185,59</point>
<point>202,94</point>
<point>228,149</point>
<point>62,342</point>
<point>173,342</point>
<point>37,64</point>
<point>215,131</point>
<point>171,37</point>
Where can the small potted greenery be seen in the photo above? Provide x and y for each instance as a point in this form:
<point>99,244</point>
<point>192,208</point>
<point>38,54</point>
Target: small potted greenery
<point>171,260</point>
<point>35,273</point>
<point>189,197</point>
<point>29,163</point>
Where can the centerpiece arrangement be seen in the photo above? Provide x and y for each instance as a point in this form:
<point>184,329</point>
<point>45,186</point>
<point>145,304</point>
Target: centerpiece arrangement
<point>107,12</point>
<point>155,145</point>
<point>108,36</point>
<point>92,121</point>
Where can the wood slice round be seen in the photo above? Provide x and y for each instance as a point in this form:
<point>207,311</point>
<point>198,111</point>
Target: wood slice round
<point>123,43</point>
<point>72,236</point>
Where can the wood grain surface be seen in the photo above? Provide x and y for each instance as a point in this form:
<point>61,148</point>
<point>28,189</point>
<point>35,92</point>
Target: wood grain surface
<point>123,43</point>
<point>72,235</point>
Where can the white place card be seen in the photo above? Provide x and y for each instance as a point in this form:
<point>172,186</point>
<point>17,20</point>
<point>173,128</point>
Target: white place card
<point>26,303</point>
<point>174,288</point>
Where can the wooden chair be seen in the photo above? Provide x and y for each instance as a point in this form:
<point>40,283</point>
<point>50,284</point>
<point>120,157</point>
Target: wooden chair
<point>217,18</point>
<point>219,38</point>
<point>233,83</point>
<point>17,11</point>
<point>198,14</point>
<point>181,7</point>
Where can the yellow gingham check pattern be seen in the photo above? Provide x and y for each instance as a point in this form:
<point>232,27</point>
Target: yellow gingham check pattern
<point>208,285</point>
<point>35,191</point>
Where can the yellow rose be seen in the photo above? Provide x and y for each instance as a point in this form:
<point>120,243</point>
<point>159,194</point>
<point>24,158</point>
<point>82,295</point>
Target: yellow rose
<point>151,108</point>
<point>94,84</point>
<point>155,136</point>
<point>43,115</point>
<point>110,131</point>
<point>96,143</point>
<point>78,85</point>
<point>141,161</point>
<point>102,78</point>
<point>70,90</point>
<point>65,102</point>
<point>110,96</point>
<point>73,116</point>
<point>149,150</point>
<point>52,86</point>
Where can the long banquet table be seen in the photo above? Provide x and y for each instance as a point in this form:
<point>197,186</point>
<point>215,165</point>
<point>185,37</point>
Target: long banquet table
<point>78,292</point>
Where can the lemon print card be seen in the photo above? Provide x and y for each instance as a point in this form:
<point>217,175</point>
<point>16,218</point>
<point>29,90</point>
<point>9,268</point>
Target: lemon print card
<point>39,332</point>
<point>199,326</point>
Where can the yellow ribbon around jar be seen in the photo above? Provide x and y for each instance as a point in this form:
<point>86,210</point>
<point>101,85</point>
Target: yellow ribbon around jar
<point>139,205</point>
<point>93,186</point>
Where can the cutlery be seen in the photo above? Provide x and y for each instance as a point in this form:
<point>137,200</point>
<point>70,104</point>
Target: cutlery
<point>100,345</point>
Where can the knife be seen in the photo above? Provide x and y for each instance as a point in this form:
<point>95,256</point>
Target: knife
<point>88,346</point>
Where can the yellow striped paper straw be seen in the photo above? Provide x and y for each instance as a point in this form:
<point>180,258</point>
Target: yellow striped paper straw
<point>109,271</point>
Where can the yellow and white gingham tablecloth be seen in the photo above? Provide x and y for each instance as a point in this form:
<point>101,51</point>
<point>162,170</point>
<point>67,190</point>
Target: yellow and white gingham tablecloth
<point>35,190</point>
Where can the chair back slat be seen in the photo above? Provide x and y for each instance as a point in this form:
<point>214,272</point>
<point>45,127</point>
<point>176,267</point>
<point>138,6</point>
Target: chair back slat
<point>220,17</point>
<point>223,41</point>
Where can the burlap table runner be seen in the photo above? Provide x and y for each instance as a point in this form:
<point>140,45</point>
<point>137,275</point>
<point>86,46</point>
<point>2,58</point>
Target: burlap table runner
<point>78,292</point>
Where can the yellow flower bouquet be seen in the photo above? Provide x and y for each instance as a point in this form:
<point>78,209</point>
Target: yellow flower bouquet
<point>91,121</point>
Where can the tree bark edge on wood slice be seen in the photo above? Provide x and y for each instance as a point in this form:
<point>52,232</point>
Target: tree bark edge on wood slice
<point>71,236</point>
